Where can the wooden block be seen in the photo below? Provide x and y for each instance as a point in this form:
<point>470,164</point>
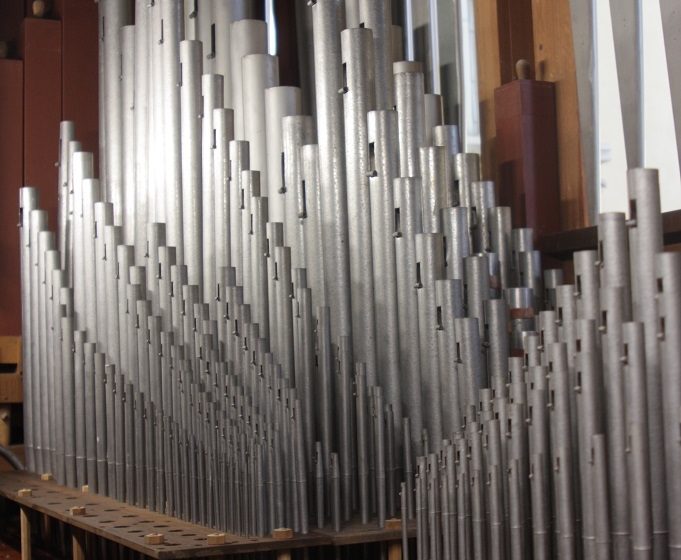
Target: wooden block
<point>76,511</point>
<point>393,524</point>
<point>282,533</point>
<point>46,476</point>
<point>10,352</point>
<point>25,493</point>
<point>154,538</point>
<point>11,388</point>
<point>216,538</point>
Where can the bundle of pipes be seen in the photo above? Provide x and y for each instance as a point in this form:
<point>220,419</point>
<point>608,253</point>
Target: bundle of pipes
<point>255,320</point>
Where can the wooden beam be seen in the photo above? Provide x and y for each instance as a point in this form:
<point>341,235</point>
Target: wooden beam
<point>554,62</point>
<point>80,84</point>
<point>11,178</point>
<point>489,79</point>
<point>42,53</point>
<point>516,39</point>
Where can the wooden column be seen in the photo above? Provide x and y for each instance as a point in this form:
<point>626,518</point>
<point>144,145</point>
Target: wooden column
<point>11,178</point>
<point>527,154</point>
<point>80,78</point>
<point>489,79</point>
<point>504,35</point>
<point>25,526</point>
<point>539,31</point>
<point>555,62</point>
<point>41,51</point>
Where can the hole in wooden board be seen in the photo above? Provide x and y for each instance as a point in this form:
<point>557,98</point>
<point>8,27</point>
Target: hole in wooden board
<point>121,526</point>
<point>111,509</point>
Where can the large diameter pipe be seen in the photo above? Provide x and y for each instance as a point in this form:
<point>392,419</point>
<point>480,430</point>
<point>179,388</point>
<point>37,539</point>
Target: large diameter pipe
<point>327,21</point>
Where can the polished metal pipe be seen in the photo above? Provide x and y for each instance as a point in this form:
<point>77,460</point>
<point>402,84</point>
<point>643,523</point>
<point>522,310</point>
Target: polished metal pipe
<point>28,200</point>
<point>483,200</point>
<point>449,306</point>
<point>457,241</point>
<point>211,89</point>
<point>382,136</point>
<point>358,94</point>
<point>645,241</point>
<point>312,224</point>
<point>247,36</point>
<point>407,224</point>
<point>258,72</point>
<point>409,103</point>
<point>433,116</point>
<point>142,112</point>
<point>377,16</point>
<point>613,255</point>
<point>190,145</point>
<point>67,132</point>
<point>429,267</point>
<point>280,101</point>
<point>112,16</point>
<point>668,273</point>
<point>223,133</point>
<point>239,160</point>
<point>639,445</point>
<point>435,183</point>
<point>327,20</point>
<point>296,131</point>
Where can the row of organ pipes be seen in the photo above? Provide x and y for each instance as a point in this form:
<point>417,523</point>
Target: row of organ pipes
<point>257,318</point>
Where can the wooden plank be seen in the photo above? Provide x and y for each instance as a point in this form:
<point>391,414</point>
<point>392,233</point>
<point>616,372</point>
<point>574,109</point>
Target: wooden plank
<point>11,16</point>
<point>515,36</point>
<point>11,179</point>
<point>554,62</point>
<point>489,79</point>
<point>41,49</point>
<point>128,525</point>
<point>563,244</point>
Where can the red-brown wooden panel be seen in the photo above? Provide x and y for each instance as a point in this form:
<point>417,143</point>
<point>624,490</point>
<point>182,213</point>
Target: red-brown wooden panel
<point>11,178</point>
<point>41,49</point>
<point>80,69</point>
<point>527,154</point>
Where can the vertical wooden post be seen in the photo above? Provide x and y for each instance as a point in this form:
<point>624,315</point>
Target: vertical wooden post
<point>283,533</point>
<point>25,526</point>
<point>4,425</point>
<point>78,538</point>
<point>394,547</point>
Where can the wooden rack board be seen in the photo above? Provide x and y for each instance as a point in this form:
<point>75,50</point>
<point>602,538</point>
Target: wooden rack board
<point>128,525</point>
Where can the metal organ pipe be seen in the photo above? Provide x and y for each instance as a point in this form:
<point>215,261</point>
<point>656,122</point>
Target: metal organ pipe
<point>256,318</point>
